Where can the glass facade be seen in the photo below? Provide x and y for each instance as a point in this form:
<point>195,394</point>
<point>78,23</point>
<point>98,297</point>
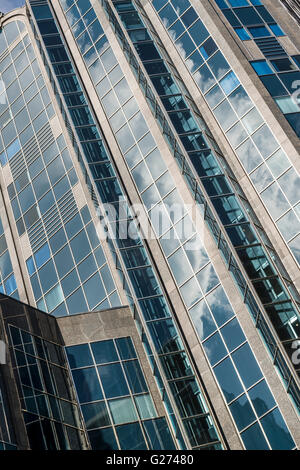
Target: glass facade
<point>7,437</point>
<point>118,410</point>
<point>214,181</point>
<point>252,22</point>
<point>67,259</point>
<point>50,412</point>
<point>76,140</point>
<point>8,283</point>
<point>143,285</point>
<point>40,405</point>
<point>251,138</point>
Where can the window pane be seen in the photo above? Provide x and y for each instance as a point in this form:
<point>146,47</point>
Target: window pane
<point>233,334</point>
<point>254,439</point>
<point>79,356</point>
<point>87,385</point>
<point>202,319</point>
<point>261,397</point>
<point>145,406</point>
<point>95,415</point>
<point>158,434</point>
<point>228,380</point>
<point>219,305</point>
<point>135,376</point>
<point>103,439</point>
<point>214,348</point>
<point>125,348</point>
<point>131,437</point>
<point>242,412</point>
<point>277,432</point>
<point>122,410</point>
<point>104,351</point>
<point>188,397</point>
<point>247,365</point>
<point>113,380</point>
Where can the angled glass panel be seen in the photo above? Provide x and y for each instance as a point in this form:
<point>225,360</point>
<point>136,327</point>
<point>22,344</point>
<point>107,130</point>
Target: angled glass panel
<point>87,384</point>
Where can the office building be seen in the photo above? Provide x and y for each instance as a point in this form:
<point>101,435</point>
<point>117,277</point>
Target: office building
<point>150,164</point>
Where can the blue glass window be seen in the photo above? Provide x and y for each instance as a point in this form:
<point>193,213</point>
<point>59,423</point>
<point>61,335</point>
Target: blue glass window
<point>103,439</point>
<point>63,261</point>
<point>283,65</point>
<point>262,398</point>
<point>202,319</point>
<point>58,240</point>
<point>218,65</point>
<point>248,16</point>
<point>131,437</point>
<point>30,266</point>
<point>165,336</point>
<point>13,149</point>
<point>122,410</point>
<point>158,434</point>
<point>47,27</point>
<point>79,356</point>
<point>83,6</point>
<point>104,351</point>
<point>198,32</point>
<point>208,48</point>
<point>48,276</point>
<point>277,431</point>
<point>254,439</point>
<point>86,268</point>
<point>242,412</point>
<point>154,308</point>
<point>167,15</point>
<point>26,198</point>
<point>228,380</point>
<point>229,83</point>
<point>113,380</point>
<point>80,246</point>
<point>289,80</point>
<point>261,67</point>
<point>95,415</point>
<point>76,302</point>
<point>10,285</point>
<point>180,5</point>
<point>276,29</point>
<point>231,17</point>
<point>189,17</point>
<point>233,334</point>
<point>70,282</point>
<point>125,348</point>
<point>135,376</point>
<point>242,33</point>
<point>175,30</point>
<point>219,305</point>
<point>274,86</point>
<point>247,365</point>
<point>259,31</point>
<point>147,51</point>
<point>94,290</point>
<point>194,61</point>
<point>158,4</point>
<point>185,45</point>
<point>73,15</point>
<point>42,255</point>
<point>87,384</point>
<point>238,3</point>
<point>214,348</point>
<point>207,278</point>
<point>144,282</point>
